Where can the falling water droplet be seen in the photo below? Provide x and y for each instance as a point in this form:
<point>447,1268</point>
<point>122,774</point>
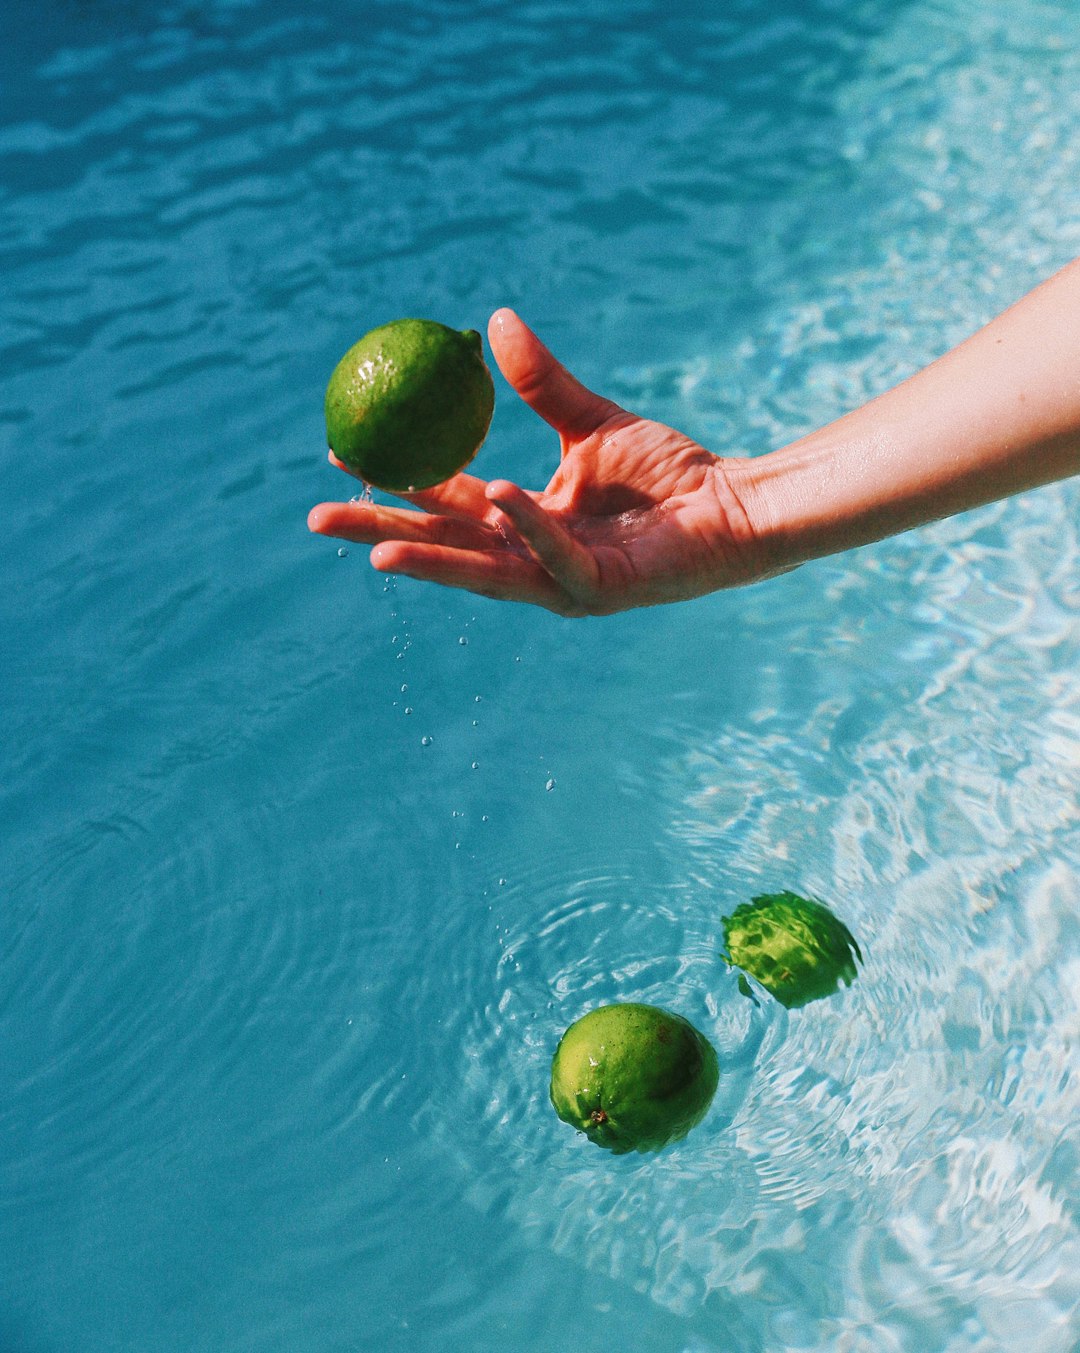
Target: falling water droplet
<point>463,640</point>
<point>476,765</point>
<point>425,741</point>
<point>342,553</point>
<point>408,709</point>
<point>550,785</point>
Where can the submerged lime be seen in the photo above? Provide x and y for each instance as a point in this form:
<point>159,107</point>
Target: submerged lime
<point>633,1077</point>
<point>409,404</point>
<point>794,946</point>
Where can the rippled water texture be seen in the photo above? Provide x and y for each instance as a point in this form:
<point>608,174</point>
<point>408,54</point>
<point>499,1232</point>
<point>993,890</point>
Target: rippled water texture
<point>305,870</point>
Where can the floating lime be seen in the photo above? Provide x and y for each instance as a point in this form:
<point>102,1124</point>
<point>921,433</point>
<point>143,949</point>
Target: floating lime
<point>409,404</point>
<point>794,946</point>
<point>633,1077</point>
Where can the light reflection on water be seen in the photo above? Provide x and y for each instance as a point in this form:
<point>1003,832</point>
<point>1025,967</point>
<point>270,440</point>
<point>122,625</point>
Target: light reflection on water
<point>302,889</point>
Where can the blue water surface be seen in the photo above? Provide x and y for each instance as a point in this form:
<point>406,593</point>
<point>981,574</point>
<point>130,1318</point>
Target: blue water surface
<point>305,870</point>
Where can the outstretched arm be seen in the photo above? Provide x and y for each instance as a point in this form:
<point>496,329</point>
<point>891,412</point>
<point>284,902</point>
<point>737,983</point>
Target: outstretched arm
<point>637,514</point>
<point>998,414</point>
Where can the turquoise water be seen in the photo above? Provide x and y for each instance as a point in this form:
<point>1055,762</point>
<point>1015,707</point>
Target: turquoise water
<point>279,980</point>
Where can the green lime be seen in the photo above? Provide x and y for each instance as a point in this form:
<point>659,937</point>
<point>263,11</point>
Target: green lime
<point>633,1077</point>
<point>794,946</point>
<point>409,405</point>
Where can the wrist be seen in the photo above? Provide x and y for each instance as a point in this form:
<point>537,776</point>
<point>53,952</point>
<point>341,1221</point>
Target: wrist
<point>791,505</point>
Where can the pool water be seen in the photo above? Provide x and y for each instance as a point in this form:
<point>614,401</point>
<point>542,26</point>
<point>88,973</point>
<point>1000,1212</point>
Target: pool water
<point>305,870</point>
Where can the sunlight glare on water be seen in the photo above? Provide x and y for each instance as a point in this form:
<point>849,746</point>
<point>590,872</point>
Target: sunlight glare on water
<point>306,870</point>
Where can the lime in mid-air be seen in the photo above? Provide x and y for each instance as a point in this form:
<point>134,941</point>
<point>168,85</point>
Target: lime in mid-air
<point>794,946</point>
<point>633,1077</point>
<point>409,404</point>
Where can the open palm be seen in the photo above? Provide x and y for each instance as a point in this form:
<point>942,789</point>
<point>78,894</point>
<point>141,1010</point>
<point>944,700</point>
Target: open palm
<point>636,513</point>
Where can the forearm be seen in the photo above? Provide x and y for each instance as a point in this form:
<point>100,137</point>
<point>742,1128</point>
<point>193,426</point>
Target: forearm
<point>996,415</point>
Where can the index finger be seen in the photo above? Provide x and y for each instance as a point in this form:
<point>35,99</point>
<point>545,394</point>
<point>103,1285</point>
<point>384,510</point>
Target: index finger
<point>463,495</point>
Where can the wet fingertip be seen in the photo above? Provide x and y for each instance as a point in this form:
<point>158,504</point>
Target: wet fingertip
<point>316,519</point>
<point>391,556</point>
<point>340,465</point>
<point>501,320</point>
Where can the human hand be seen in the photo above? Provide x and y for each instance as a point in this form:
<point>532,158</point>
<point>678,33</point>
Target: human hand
<point>636,514</point>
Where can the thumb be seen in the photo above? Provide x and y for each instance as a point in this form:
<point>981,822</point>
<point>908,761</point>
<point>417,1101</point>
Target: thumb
<point>543,382</point>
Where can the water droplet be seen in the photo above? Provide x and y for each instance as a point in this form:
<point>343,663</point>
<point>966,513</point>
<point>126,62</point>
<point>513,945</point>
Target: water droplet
<point>404,687</point>
<point>425,741</point>
<point>477,699</point>
<point>484,818</point>
<point>502,883</point>
<point>476,723</point>
<point>408,709</point>
<point>342,553</point>
<point>367,494</point>
<point>517,659</point>
<point>463,640</point>
<point>476,765</point>
<point>550,785</point>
